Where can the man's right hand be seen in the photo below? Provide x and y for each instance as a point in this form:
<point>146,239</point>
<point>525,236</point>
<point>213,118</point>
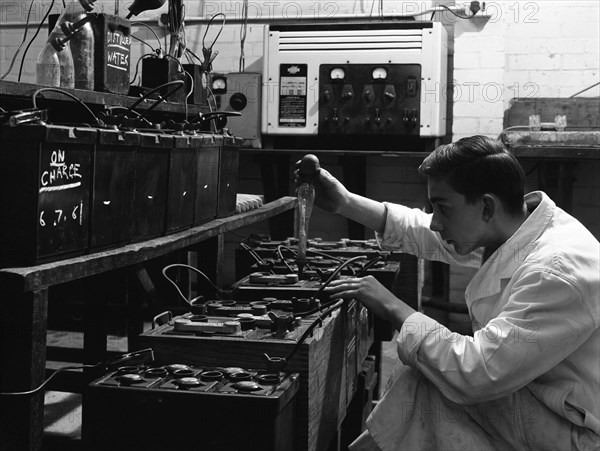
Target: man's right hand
<point>330,194</point>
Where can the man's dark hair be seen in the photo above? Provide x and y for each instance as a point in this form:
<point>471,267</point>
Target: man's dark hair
<point>477,165</point>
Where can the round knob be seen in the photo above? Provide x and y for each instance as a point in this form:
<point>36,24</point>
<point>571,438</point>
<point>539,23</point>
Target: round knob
<point>238,101</point>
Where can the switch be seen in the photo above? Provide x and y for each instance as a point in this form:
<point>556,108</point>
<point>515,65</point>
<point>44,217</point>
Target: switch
<point>411,87</point>
<point>368,93</point>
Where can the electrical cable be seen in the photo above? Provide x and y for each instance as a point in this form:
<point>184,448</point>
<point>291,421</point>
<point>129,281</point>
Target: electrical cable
<point>310,328</point>
<point>243,34</point>
<point>281,246</point>
<point>153,32</point>
<point>60,91</point>
<point>47,381</point>
<point>586,89</point>
<point>207,28</point>
<point>336,272</point>
<point>120,107</point>
<point>253,253</point>
<point>460,16</point>
<point>187,74</point>
<point>144,42</point>
<point>37,31</point>
<point>137,66</point>
<point>323,254</point>
<point>179,83</point>
<point>196,270</point>
<point>12,62</point>
<point>370,263</point>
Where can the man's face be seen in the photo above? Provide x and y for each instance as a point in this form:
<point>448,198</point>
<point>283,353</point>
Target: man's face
<point>458,222</point>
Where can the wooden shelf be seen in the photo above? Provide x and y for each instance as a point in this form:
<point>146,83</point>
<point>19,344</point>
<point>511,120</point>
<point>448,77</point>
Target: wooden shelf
<point>568,144</point>
<point>24,92</point>
<point>32,278</point>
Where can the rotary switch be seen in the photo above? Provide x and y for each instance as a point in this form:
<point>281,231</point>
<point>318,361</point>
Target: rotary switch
<point>238,101</point>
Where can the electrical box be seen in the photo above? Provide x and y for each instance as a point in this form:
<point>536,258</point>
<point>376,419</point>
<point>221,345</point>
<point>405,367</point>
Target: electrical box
<point>240,92</point>
<point>375,78</point>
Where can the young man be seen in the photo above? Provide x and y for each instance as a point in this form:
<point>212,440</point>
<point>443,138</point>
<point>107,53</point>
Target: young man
<point>529,377</point>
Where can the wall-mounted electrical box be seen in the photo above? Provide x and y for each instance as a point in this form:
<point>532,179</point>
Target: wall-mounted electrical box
<point>240,92</point>
<point>375,78</point>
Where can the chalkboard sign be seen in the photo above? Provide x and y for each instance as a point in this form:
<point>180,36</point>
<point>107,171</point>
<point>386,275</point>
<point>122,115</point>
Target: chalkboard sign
<point>45,186</point>
<point>112,36</point>
<point>63,202</point>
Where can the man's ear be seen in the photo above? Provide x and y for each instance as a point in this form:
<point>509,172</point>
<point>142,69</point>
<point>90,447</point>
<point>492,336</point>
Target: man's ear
<point>490,203</point>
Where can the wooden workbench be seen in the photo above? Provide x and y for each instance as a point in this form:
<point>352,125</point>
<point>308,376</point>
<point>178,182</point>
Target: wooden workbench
<point>23,323</point>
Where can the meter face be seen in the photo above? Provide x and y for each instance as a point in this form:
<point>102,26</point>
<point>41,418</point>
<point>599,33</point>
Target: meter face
<point>219,84</point>
<point>379,73</point>
<point>337,73</point>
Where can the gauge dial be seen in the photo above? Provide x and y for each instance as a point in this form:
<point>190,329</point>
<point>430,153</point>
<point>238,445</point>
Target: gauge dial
<point>379,73</point>
<point>337,73</point>
<point>219,84</point>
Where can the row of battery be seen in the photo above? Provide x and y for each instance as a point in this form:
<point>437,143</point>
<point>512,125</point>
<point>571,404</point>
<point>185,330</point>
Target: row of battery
<point>78,189</point>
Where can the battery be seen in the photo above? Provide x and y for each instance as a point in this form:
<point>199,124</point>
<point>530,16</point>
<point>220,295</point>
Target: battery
<point>177,406</point>
<point>207,178</point>
<point>150,188</point>
<point>113,189</point>
<point>182,182</point>
<point>328,360</point>
<point>228,176</point>
<point>45,192</point>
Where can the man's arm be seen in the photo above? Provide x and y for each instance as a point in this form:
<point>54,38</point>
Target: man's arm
<point>332,196</point>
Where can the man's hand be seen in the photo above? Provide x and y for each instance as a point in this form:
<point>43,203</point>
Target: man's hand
<point>373,295</point>
<point>330,194</point>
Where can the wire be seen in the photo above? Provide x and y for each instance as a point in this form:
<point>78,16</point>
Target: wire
<point>144,42</point>
<point>191,52</point>
<point>218,34</point>
<point>153,32</point>
<point>370,263</point>
<point>182,265</point>
<point>336,272</point>
<point>310,328</point>
<point>60,91</point>
<point>253,253</point>
<point>191,82</point>
<point>460,16</point>
<point>12,62</point>
<point>586,89</point>
<point>323,254</point>
<point>47,381</point>
<point>37,31</point>
<point>281,246</point>
<point>137,66</point>
<point>180,84</point>
<point>243,33</point>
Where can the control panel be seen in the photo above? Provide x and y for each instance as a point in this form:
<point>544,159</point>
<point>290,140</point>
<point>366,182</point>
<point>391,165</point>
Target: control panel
<point>372,78</point>
<point>369,99</point>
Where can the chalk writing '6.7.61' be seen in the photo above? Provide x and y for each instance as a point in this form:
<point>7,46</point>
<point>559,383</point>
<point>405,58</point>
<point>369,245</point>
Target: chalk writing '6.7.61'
<point>58,216</point>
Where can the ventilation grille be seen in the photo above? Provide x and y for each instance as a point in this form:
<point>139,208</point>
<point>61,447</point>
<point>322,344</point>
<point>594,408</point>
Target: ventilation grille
<point>350,40</point>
